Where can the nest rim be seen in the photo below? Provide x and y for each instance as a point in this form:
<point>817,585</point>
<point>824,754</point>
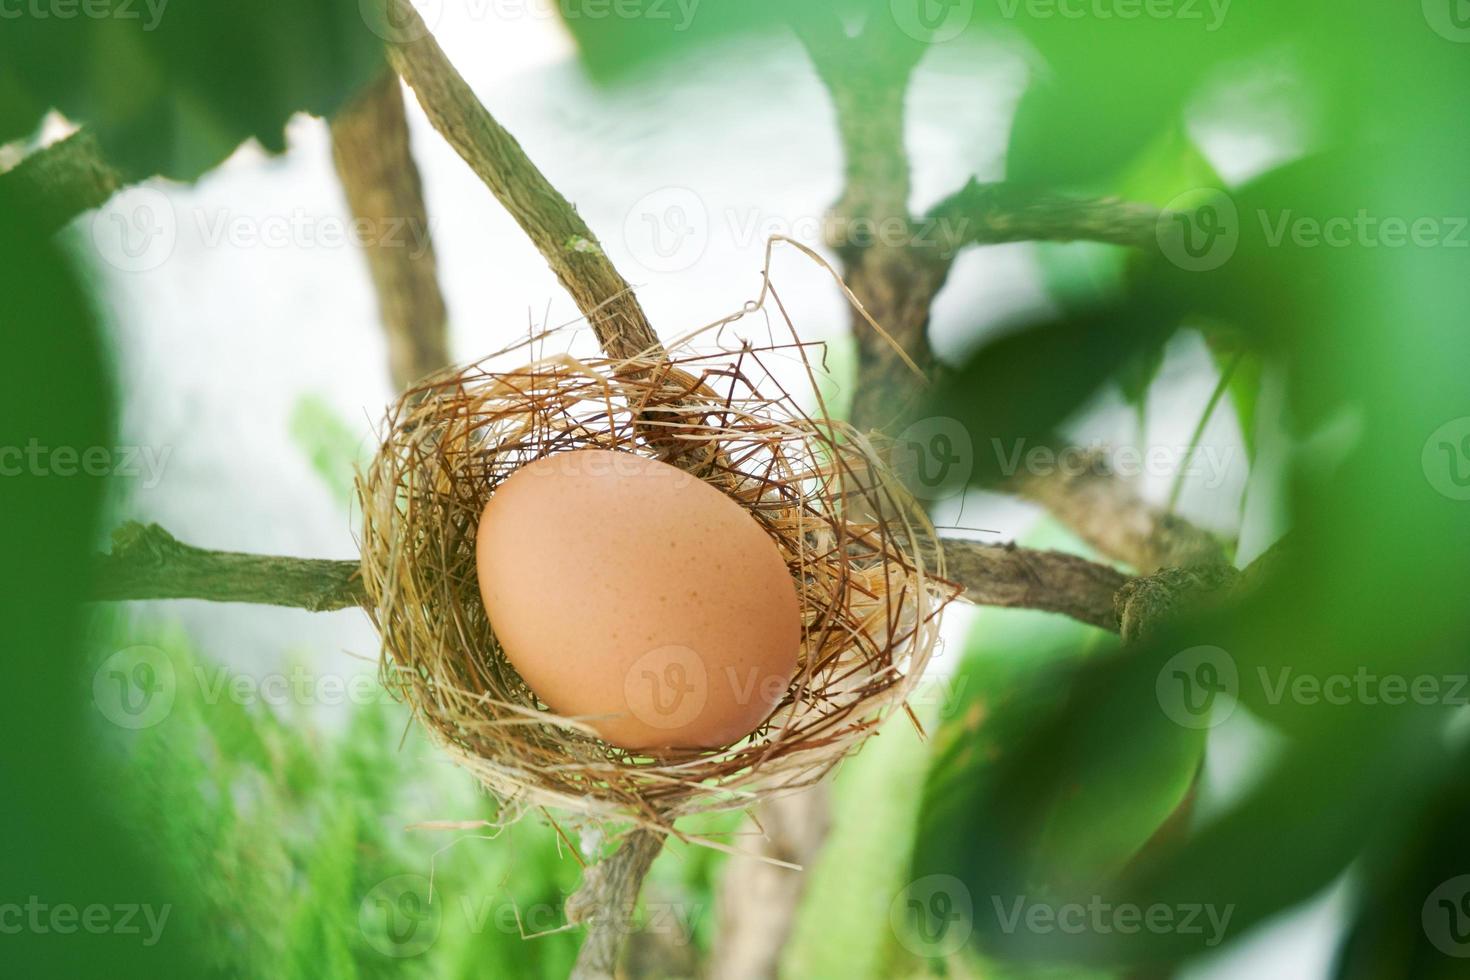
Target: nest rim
<point>863,554</point>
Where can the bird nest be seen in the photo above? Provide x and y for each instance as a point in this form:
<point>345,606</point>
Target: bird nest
<point>861,552</point>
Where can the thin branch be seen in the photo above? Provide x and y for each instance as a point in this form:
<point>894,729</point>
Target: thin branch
<point>563,238</point>
<point>1020,578</point>
<point>375,165</point>
<point>758,896</point>
<point>867,77</point>
<point>61,181</point>
<point>606,901</point>
<point>147,562</point>
<point>987,214</point>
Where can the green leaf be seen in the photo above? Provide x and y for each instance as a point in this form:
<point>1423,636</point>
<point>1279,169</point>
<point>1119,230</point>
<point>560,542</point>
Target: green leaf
<point>1408,921</point>
<point>1262,857</point>
<point>1245,382</point>
<point>863,864</point>
<point>173,88</point>
<point>1044,781</point>
<point>1168,166</point>
<point>1018,389</point>
<point>333,447</point>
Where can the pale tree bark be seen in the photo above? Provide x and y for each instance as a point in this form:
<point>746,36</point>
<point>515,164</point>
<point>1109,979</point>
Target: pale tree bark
<point>757,899</point>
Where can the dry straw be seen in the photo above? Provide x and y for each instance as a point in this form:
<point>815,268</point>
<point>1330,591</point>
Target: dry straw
<point>862,553</point>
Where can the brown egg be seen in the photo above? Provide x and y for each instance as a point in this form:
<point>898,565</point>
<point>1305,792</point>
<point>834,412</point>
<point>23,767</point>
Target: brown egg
<point>639,599</point>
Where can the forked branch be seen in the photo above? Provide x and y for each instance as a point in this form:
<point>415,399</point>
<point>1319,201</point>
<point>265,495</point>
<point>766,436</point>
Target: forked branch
<point>548,218</point>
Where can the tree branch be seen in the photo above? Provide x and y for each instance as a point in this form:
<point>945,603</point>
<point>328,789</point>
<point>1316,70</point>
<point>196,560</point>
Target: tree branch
<point>563,238</point>
<point>898,281</point>
<point>988,214</point>
<point>61,181</point>
<point>147,562</point>
<point>1020,578</point>
<point>606,901</point>
<point>375,165</point>
<point>867,77</point>
<point>758,897</point>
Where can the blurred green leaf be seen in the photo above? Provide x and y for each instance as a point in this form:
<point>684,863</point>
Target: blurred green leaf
<point>864,862</point>
<point>1062,777</point>
<point>1019,388</point>
<point>1410,898</point>
<point>62,843</point>
<point>172,88</point>
<point>1261,857</point>
<point>1044,782</point>
<point>1244,385</point>
<point>334,449</point>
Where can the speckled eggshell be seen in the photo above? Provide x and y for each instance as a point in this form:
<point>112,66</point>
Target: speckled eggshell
<point>639,599</point>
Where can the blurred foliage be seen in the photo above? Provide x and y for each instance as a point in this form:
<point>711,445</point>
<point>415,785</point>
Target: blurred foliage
<point>1059,777</point>
<point>279,811</point>
<point>58,847</point>
<point>1372,575</point>
<point>171,87</point>
<point>334,450</point>
<point>1030,788</point>
<point>864,862</point>
<point>281,832</point>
